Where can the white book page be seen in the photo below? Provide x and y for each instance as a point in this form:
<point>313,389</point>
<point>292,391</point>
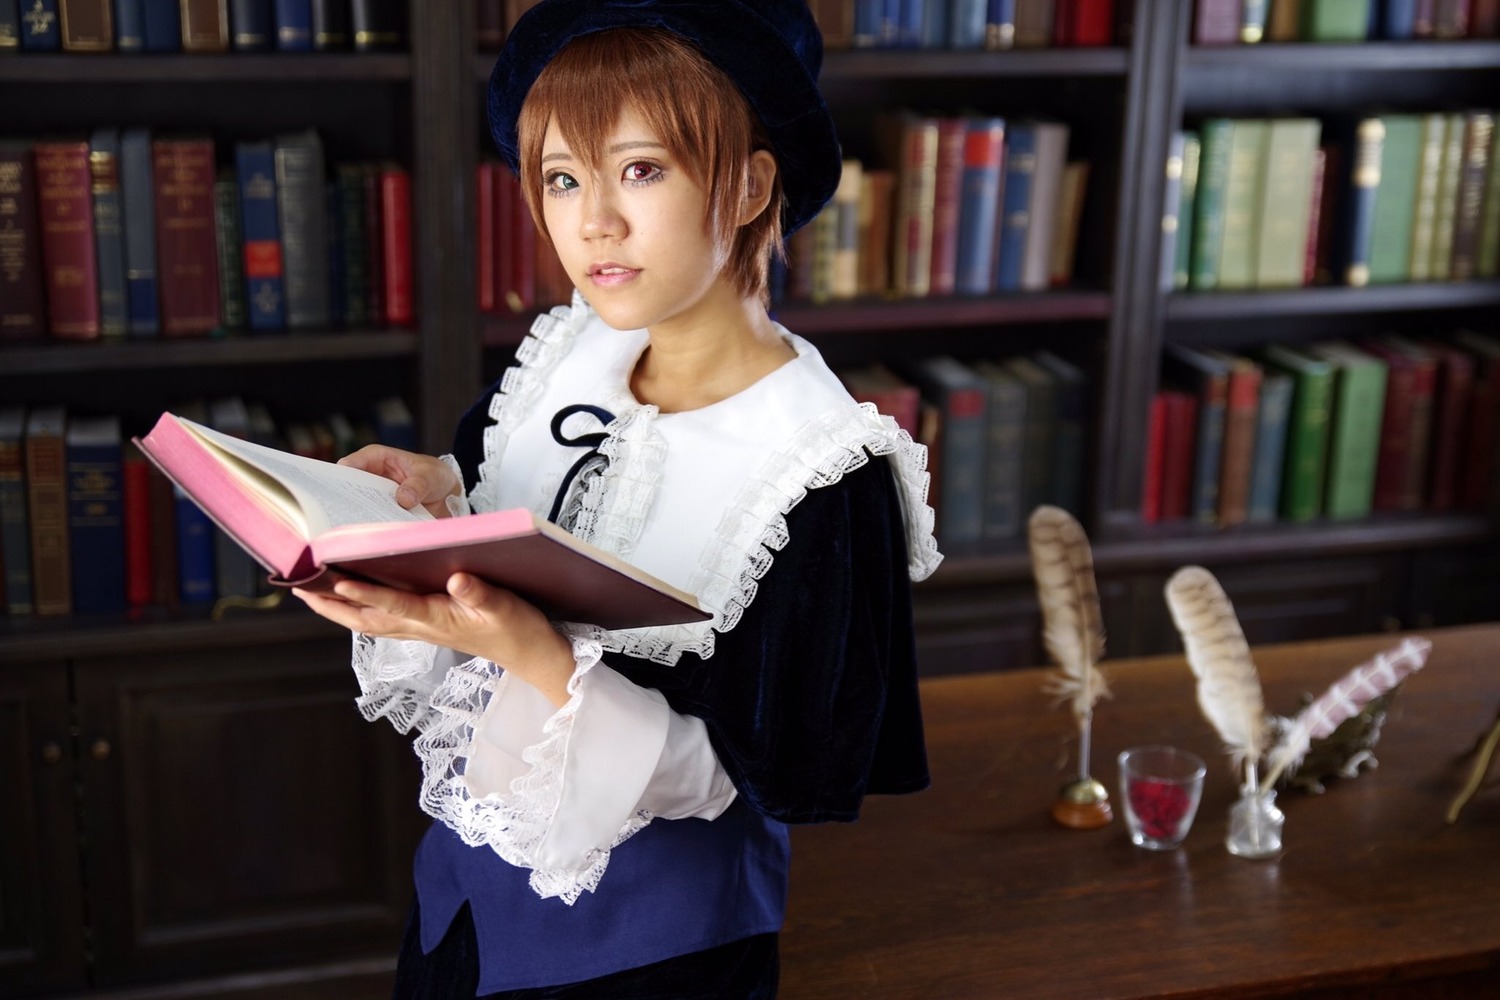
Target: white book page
<point>312,495</point>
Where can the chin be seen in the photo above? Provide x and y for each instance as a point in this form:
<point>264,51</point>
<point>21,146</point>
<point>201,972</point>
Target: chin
<point>618,315</point>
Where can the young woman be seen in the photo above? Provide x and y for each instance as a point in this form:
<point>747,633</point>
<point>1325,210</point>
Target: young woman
<point>612,806</point>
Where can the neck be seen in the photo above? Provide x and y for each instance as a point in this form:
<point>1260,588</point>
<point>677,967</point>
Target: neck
<point>724,346</point>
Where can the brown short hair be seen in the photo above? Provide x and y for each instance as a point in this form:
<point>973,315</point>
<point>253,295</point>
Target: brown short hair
<point>692,105</point>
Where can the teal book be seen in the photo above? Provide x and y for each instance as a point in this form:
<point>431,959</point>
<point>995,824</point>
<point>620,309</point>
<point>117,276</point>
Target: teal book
<point>1207,379</point>
<point>1306,449</point>
<point>1354,434</point>
<point>1038,445</point>
<point>1395,200</point>
<point>1006,455</point>
<point>1217,136</point>
<point>1069,443</point>
<point>1269,455</point>
<point>230,240</point>
<point>962,398</point>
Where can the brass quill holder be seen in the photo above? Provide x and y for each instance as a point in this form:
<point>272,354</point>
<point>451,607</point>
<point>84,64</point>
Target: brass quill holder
<point>1073,632</point>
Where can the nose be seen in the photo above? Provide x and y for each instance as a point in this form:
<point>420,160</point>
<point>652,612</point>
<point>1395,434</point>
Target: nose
<point>601,215</point>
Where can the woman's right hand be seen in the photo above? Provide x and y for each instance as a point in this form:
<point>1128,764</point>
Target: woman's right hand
<point>419,479</point>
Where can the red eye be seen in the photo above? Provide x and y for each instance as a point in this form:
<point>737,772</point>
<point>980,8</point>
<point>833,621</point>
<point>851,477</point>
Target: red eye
<point>641,171</point>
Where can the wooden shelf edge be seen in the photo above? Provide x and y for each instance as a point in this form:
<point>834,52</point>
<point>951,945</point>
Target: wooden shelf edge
<point>180,67</point>
<point>1185,306</point>
<point>30,639</point>
<point>1328,57</point>
<point>53,357</point>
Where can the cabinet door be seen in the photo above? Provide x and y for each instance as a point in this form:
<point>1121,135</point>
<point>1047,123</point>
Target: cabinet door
<point>239,813</point>
<point>1454,586</point>
<point>41,903</point>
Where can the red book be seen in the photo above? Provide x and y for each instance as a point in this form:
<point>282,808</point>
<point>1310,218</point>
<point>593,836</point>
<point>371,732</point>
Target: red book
<point>520,282</point>
<point>374,246</point>
<point>1405,426</point>
<point>1177,455</point>
<point>1484,20</point>
<point>1484,419</point>
<point>889,392</point>
<point>1315,227</point>
<point>187,251</point>
<point>1085,23</point>
<point>331,519</point>
<point>1156,443</point>
<point>1455,392</point>
<point>395,245</point>
<point>484,266</point>
<point>22,290</point>
<point>65,215</point>
<point>947,192</point>
<point>1242,408</point>
<point>136,501</point>
<point>165,587</point>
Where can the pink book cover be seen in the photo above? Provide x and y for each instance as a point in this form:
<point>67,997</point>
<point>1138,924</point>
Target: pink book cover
<point>351,525</point>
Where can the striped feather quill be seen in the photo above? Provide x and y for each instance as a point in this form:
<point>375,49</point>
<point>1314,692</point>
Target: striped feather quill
<point>1346,698</point>
<point>1229,689</point>
<point>1072,626</point>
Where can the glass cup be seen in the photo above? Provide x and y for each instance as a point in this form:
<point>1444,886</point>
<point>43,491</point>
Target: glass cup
<point>1160,787</point>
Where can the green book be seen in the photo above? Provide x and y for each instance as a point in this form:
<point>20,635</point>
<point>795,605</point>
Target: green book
<point>1306,447</point>
<point>1242,203</point>
<point>230,239</point>
<point>1182,267</point>
<point>1281,244</point>
<point>350,179</point>
<point>1335,20</point>
<point>1424,212</point>
<point>1446,212</point>
<point>1216,134</point>
<point>1354,433</point>
<point>1396,199</point>
<point>1489,216</point>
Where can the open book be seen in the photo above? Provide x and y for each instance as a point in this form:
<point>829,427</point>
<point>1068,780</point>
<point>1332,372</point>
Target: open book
<point>306,521</point>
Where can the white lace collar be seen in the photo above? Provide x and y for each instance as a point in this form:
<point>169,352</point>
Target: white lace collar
<point>704,493</point>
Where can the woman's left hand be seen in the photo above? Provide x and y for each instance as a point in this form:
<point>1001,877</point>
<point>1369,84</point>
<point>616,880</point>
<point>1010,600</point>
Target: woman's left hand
<point>471,617</point>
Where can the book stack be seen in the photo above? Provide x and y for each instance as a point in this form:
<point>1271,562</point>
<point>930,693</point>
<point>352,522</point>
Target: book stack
<point>131,233</point>
<point>89,527</point>
<point>1333,429</point>
<point>1288,202</point>
<point>1231,22</point>
<point>131,26</point>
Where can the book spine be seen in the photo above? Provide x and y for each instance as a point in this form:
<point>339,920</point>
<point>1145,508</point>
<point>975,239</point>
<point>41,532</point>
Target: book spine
<point>965,434</point>
<point>375,258</point>
<point>1253,21</point>
<point>1479,129</point>
<point>161,25</point>
<point>946,192</point>
<point>1394,445</point>
<point>1445,217</point>
<point>1182,265</point>
<point>1398,19</point>
<point>109,232</point>
<point>1034,22</point>
<point>303,227</point>
<point>925,24</point>
<point>230,242</point>
<point>1317,217</point>
<point>86,25</point>
<point>485,273</point>
<point>1335,20</point>
<point>40,31</point>
<point>1216,22</point>
<point>65,212</point>
<point>15,528</point>
<point>1484,19</point>
<point>1016,218</point>
<point>355,239</point>
<point>380,25</point>
<point>1242,203</point>
<point>47,509</point>
<point>1423,417</point>
<point>205,25</point>
<point>1216,136</point>
<point>1093,23</point>
<point>1364,179</point>
<point>259,225</point>
<point>1004,459</point>
<point>1395,200</point>
<point>1241,414</point>
<point>1488,265</point>
<point>1270,447</point>
<point>330,25</point>
<point>395,244</point>
<point>1152,467</point>
<point>139,205</point>
<point>195,552</point>
<point>967,28</point>
<point>1359,399</point>
<point>252,25</point>
<point>1208,455</point>
<point>294,25</point>
<point>835,21</point>
<point>338,306</point>
<point>1046,185</point>
<point>183,170</point>
<point>1177,455</point>
<point>10,26</point>
<point>1171,221</point>
<point>1429,170</point>
<point>1282,219</point>
<point>1070,199</point>
<point>1451,19</point>
<point>130,26</point>
<point>96,518</point>
<point>845,279</point>
<point>979,206</point>
<point>22,288</point>
<point>876,216</point>
<point>1000,25</point>
<point>1422,19</point>
<point>824,231</point>
<point>136,475</point>
<point>914,208</point>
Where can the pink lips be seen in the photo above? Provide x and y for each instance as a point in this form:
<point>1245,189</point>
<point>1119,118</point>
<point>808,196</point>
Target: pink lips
<point>611,275</point>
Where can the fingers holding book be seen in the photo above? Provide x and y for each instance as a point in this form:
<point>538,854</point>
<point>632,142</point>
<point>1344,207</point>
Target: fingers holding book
<point>419,478</point>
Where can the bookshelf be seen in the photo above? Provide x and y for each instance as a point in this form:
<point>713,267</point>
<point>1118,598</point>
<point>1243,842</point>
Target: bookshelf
<point>74,682</point>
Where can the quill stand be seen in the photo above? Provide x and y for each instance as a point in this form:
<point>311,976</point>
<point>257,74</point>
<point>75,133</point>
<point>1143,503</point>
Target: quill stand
<point>1083,804</point>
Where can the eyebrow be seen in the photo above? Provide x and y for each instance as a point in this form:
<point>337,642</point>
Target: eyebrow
<point>619,147</point>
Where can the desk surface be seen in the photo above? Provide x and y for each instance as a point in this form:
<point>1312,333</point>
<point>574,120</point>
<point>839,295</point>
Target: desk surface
<point>970,890</point>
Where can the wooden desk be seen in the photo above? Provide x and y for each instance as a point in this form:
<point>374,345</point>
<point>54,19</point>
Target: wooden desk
<point>969,890</point>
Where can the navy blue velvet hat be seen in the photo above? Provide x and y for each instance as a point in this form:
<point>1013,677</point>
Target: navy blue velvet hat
<point>771,49</point>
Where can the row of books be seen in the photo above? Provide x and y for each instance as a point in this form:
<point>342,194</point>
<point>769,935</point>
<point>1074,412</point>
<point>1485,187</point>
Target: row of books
<point>516,269</point>
<point>1333,430</point>
<point>202,25</point>
<point>967,24</point>
<point>1002,436</point>
<point>1286,202</point>
<point>89,526</point>
<point>1228,22</point>
<point>129,233</point>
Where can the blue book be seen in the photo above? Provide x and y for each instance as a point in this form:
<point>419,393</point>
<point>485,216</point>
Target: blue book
<point>888,31</point>
<point>294,25</point>
<point>961,396</point>
<point>911,15</point>
<point>966,23</point>
<point>255,164</point>
<point>979,205</point>
<point>40,30</point>
<point>15,527</point>
<point>1397,19</point>
<point>162,25</point>
<point>932,31</point>
<point>109,231</point>
<point>1000,24</point>
<point>394,424</point>
<point>252,25</point>
<point>1270,446</point>
<point>1015,217</point>
<point>867,23</point>
<point>10,26</point>
<point>130,26</point>
<point>1358,224</point>
<point>195,551</point>
<point>139,202</point>
<point>96,514</point>
<point>1207,378</point>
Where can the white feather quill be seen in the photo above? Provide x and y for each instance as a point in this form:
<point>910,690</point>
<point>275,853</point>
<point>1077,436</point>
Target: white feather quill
<point>1229,689</point>
<point>1072,625</point>
<point>1346,698</point>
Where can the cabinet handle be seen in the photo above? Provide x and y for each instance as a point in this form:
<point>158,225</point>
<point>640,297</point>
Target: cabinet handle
<point>99,749</point>
<point>51,753</point>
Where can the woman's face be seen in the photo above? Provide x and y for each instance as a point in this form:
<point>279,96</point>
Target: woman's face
<point>631,230</point>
